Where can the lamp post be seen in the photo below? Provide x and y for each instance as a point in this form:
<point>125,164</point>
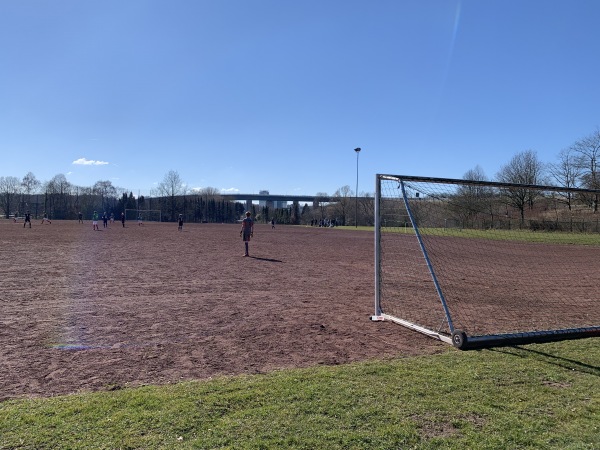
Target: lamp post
<point>357,150</point>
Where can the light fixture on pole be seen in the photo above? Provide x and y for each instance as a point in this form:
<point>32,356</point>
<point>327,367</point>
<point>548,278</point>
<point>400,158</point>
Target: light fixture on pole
<point>357,150</point>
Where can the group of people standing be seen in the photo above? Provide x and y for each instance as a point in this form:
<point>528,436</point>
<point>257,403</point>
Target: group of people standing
<point>27,219</point>
<point>105,219</point>
<point>246,232</point>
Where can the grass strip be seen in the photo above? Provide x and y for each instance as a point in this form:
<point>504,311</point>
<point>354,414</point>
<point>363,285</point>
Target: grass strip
<point>527,397</point>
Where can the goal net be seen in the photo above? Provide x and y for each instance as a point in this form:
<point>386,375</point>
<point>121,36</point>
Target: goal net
<point>146,215</point>
<point>480,264</point>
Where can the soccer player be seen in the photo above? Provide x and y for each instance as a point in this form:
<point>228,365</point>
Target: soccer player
<point>27,219</point>
<point>45,218</point>
<point>180,227</point>
<point>123,219</point>
<point>105,220</point>
<point>95,220</point>
<point>247,231</point>
<point>80,217</point>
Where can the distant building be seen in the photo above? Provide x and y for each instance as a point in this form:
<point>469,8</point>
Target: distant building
<point>271,204</point>
<point>263,203</point>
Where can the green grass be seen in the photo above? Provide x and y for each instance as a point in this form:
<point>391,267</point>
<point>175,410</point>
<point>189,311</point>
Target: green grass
<point>543,237</point>
<point>352,227</point>
<point>537,396</point>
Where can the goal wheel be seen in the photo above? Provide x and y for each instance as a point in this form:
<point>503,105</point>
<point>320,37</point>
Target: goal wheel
<point>459,339</point>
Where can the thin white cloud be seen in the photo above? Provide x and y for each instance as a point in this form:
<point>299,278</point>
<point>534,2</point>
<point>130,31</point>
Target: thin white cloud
<point>230,191</point>
<point>89,162</point>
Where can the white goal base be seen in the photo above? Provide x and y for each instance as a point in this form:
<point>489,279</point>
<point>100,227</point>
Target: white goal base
<point>432,334</point>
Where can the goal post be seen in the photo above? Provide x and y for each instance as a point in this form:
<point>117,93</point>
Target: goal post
<point>146,215</point>
<point>481,264</point>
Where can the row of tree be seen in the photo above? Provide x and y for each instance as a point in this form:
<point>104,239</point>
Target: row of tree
<point>577,167</point>
<point>60,199</point>
<point>484,205</point>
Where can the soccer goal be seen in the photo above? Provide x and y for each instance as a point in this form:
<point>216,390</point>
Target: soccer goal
<point>482,264</point>
<point>146,215</point>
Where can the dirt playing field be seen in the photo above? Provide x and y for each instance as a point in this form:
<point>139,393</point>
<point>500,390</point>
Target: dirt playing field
<point>85,310</point>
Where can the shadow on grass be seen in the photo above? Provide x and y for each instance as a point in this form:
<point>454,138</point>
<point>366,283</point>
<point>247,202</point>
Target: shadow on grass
<point>560,361</point>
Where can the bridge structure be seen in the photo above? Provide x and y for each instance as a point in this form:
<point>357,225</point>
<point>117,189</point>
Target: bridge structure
<point>269,199</point>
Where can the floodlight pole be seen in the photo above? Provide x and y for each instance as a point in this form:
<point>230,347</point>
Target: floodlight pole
<point>357,150</point>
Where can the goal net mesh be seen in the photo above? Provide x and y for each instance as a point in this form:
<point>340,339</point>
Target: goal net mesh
<point>486,258</point>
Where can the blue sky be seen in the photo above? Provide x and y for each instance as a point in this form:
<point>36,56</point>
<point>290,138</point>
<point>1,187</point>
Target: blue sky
<point>245,95</point>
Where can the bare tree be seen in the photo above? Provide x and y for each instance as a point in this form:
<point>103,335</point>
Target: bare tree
<point>107,192</point>
<point>9,190</point>
<point>30,183</point>
<point>206,207</point>
<point>588,151</point>
<point>320,202</point>
<point>343,202</point>
<point>567,173</point>
<point>84,200</point>
<point>57,195</point>
<point>471,199</point>
<point>210,192</point>
<point>366,204</point>
<point>475,174</point>
<point>170,189</point>
<point>524,168</point>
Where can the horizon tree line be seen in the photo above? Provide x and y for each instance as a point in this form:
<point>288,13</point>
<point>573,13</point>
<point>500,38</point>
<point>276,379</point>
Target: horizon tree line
<point>576,166</point>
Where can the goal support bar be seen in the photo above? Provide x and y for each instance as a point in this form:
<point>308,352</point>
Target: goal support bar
<point>412,326</point>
